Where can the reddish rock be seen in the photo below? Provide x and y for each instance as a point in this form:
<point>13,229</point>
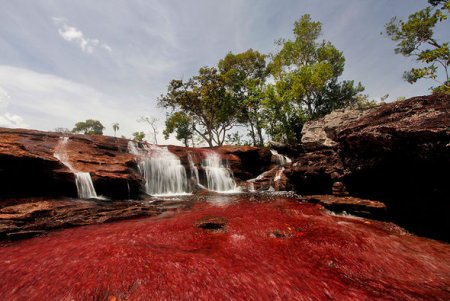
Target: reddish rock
<point>25,218</point>
<point>28,167</point>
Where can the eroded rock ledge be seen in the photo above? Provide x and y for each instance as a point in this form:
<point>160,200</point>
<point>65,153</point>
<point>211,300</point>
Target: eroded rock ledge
<point>397,153</point>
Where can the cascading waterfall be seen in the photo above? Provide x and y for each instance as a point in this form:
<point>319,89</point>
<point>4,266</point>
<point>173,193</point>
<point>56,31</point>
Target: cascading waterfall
<point>278,174</point>
<point>280,159</point>
<point>83,180</point>
<point>218,176</point>
<point>193,169</point>
<point>163,172</point>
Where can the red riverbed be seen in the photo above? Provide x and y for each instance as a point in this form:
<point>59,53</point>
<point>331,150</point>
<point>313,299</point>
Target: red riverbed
<point>280,250</point>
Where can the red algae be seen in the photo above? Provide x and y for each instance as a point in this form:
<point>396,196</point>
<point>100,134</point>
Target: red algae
<point>280,250</point>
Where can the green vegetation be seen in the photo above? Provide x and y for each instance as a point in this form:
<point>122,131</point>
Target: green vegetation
<point>269,95</point>
<point>181,124</point>
<point>138,136</point>
<point>89,127</point>
<point>416,38</point>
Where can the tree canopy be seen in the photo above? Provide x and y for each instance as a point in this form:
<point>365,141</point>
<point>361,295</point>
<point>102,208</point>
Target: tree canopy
<point>269,95</point>
<point>416,38</point>
<point>206,101</point>
<point>181,124</point>
<point>89,127</point>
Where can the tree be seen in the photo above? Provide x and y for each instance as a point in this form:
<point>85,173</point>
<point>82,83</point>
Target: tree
<point>244,74</point>
<point>206,101</point>
<point>115,127</point>
<point>181,124</point>
<point>89,127</point>
<point>416,38</point>
<point>138,136</point>
<point>152,121</point>
<point>284,120</point>
<point>306,73</point>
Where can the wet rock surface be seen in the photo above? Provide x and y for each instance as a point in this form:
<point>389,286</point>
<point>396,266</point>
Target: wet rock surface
<point>29,169</point>
<point>212,223</point>
<point>26,218</point>
<point>396,153</point>
<point>352,205</point>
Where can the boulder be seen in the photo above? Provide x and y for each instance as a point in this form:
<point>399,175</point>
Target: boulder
<point>397,153</point>
<point>321,133</point>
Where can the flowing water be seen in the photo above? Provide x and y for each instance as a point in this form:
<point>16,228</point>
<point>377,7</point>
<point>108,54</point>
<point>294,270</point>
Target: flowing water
<point>242,250</point>
<point>162,170</point>
<point>83,180</point>
<point>218,176</point>
<point>193,170</point>
<point>280,159</point>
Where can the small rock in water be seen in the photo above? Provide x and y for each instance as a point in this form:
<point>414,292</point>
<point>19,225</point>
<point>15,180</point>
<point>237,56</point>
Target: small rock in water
<point>214,224</point>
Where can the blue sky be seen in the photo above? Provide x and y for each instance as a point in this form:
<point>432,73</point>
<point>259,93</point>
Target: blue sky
<point>66,61</point>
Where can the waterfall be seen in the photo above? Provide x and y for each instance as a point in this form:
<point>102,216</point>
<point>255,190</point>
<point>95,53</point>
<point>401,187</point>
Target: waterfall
<point>83,180</point>
<point>278,174</point>
<point>280,159</point>
<point>218,177</point>
<point>193,169</point>
<point>85,187</point>
<point>163,172</point>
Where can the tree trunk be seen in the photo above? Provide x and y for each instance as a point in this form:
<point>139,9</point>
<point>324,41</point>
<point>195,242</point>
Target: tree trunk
<point>252,132</point>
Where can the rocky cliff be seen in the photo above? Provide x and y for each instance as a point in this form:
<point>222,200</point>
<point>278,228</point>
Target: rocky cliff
<point>28,167</point>
<point>398,153</point>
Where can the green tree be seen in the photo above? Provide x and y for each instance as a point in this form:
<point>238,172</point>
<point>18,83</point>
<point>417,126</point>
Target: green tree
<point>115,127</point>
<point>306,73</point>
<point>416,38</point>
<point>181,124</point>
<point>89,127</point>
<point>206,101</point>
<point>244,74</point>
<point>138,136</point>
<point>284,120</point>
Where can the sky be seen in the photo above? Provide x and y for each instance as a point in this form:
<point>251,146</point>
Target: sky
<point>67,61</point>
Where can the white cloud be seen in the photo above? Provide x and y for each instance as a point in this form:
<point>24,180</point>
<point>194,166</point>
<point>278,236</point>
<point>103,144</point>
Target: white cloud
<point>3,97</point>
<point>74,35</point>
<point>7,119</point>
<point>48,101</point>
<point>12,121</point>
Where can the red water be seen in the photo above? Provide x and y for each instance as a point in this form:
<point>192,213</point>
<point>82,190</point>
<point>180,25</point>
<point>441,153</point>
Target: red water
<point>281,250</point>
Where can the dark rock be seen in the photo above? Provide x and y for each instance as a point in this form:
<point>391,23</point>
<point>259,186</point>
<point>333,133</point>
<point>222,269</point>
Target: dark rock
<point>25,218</point>
<point>352,205</point>
<point>396,153</point>
<point>213,224</point>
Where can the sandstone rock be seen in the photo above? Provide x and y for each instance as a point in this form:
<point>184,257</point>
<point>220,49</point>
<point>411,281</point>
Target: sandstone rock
<point>396,153</point>
<point>321,133</point>
<point>29,168</point>
<point>352,205</point>
<point>30,217</point>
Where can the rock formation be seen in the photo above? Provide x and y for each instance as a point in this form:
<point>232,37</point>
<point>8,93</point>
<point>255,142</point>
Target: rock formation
<point>398,153</point>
